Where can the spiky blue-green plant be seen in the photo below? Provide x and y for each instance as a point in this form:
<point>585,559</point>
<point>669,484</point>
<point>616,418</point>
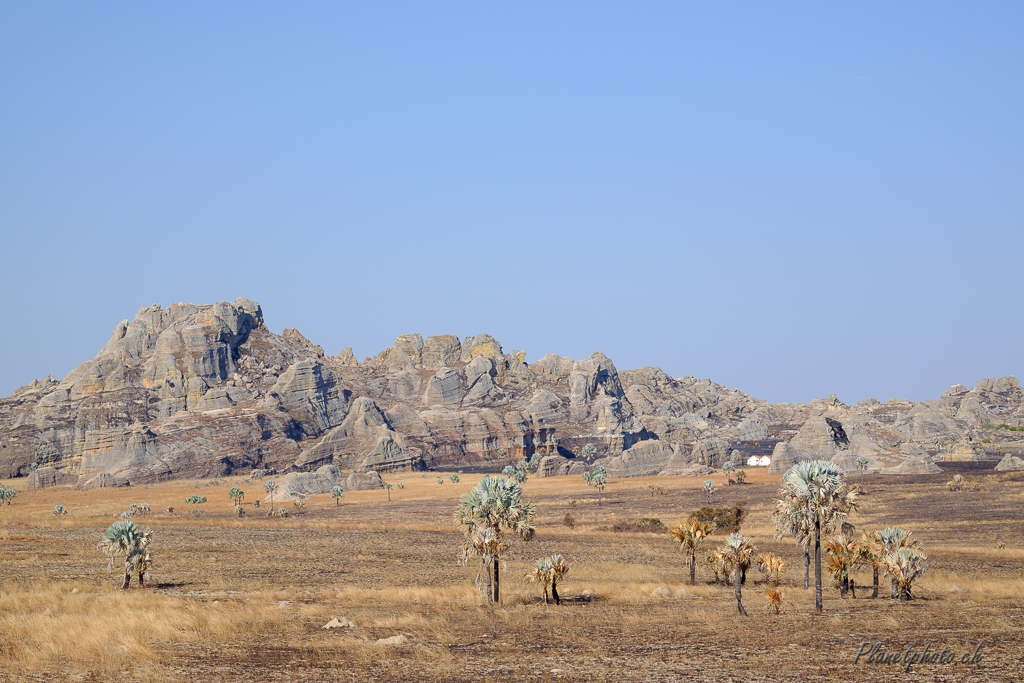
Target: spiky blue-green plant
<point>454,479</point>
<point>400,485</point>
<point>59,510</point>
<point>7,495</point>
<point>495,505</point>
<point>337,493</point>
<point>126,538</point>
<point>270,486</point>
<point>817,493</point>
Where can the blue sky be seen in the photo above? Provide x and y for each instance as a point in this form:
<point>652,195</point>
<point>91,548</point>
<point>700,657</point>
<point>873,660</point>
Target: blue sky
<point>793,200</point>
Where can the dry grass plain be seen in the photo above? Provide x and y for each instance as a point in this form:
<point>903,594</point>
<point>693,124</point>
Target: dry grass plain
<point>245,599</point>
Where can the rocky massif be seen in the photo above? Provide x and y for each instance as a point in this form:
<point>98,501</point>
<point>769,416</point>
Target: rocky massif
<point>205,390</point>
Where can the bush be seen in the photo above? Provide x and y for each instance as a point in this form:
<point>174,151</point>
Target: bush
<point>569,521</point>
<point>647,525</point>
<point>722,520</point>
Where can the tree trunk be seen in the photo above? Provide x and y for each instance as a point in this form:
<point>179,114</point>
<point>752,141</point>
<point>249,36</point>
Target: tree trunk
<point>807,568</point>
<point>693,568</point>
<point>743,575</point>
<point>874,583</point>
<point>554,592</point>
<point>844,587</point>
<point>895,590</point>
<point>853,589</point>
<point>545,595</point>
<point>904,593</point>
<point>127,576</point>
<point>739,592</point>
<point>490,588</point>
<point>497,584</point>
<point>142,579</point>
<point>817,567</point>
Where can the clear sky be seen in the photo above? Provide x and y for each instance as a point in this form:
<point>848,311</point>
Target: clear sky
<point>791,199</point>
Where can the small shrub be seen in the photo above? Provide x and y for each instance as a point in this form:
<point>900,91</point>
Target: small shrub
<point>195,500</point>
<point>647,525</point>
<point>59,510</point>
<point>775,600</point>
<point>400,485</point>
<point>986,440</point>
<point>657,490</point>
<point>454,479</point>
<point>569,521</point>
<point>722,520</point>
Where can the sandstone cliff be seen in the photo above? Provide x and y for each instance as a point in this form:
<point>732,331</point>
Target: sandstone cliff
<point>204,390</point>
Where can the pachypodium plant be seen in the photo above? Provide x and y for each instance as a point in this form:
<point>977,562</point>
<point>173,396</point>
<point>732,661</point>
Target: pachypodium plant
<point>127,539</point>
<point>59,510</point>
<point>399,485</point>
<point>7,496</point>
<point>195,500</point>
<point>454,478</point>
<point>337,493</point>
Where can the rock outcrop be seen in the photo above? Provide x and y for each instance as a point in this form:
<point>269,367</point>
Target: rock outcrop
<point>193,391</point>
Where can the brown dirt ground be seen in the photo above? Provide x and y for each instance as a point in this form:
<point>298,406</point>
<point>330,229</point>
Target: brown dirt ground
<point>214,611</point>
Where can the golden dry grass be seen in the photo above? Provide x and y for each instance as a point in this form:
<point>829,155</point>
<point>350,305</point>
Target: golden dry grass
<point>245,599</point>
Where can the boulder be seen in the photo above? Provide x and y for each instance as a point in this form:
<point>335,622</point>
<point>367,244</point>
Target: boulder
<point>710,452</point>
<point>553,465</point>
<point>1010,463</point>
<point>644,459</point>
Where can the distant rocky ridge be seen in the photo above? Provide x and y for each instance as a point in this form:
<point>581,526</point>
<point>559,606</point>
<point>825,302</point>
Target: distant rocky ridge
<point>194,391</point>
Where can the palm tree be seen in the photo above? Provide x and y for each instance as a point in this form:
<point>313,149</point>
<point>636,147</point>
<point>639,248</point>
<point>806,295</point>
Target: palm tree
<point>7,495</point>
<point>872,551</point>
<point>236,494</point>
<point>906,565</point>
<point>775,599</point>
<point>541,573</point>
<point>771,566</point>
<point>270,486</point>
<point>727,469</point>
<point>337,493</point>
<point>495,504</point>
<point>559,568</point>
<point>130,540</point>
<point>598,479</point>
<point>709,489</point>
<point>862,467</point>
<point>818,496</point>
<point>691,533</point>
<point>387,487</point>
<point>790,521</point>
<point>843,555</point>
<point>738,550</point>
<point>891,540</point>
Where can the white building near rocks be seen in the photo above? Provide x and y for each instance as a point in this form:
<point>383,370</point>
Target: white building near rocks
<point>763,461</point>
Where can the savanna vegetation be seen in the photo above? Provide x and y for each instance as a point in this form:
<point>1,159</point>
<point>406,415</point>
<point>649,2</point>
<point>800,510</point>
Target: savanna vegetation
<point>225,597</point>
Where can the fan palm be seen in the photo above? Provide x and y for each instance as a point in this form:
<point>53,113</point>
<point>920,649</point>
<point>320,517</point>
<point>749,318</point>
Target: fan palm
<point>790,520</point>
<point>495,504</point>
<point>541,573</point>
<point>128,539</point>
<point>236,494</point>
<point>337,493</point>
<point>890,540</point>
<point>843,555</point>
<point>873,552</point>
<point>270,486</point>
<point>709,489</point>
<point>559,568</point>
<point>906,565</point>
<point>691,533</point>
<point>819,497</point>
<point>738,550</point>
<point>771,567</point>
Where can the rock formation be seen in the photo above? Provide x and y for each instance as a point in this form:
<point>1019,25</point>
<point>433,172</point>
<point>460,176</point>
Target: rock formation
<point>193,391</point>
